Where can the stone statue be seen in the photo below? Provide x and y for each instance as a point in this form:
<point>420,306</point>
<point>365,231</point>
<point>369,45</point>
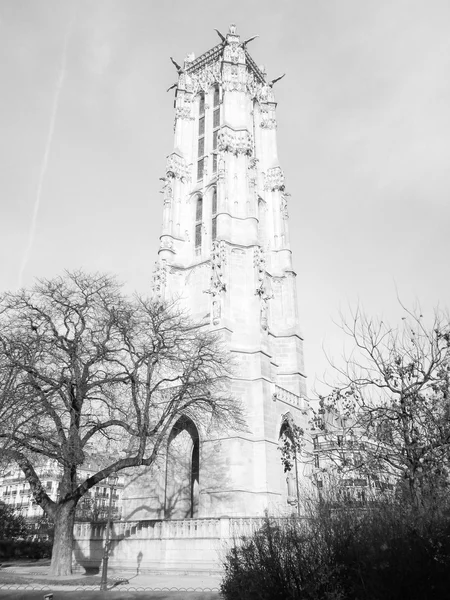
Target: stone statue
<point>244,44</point>
<point>177,66</point>
<point>216,310</point>
<point>291,489</point>
<point>222,37</point>
<point>271,83</point>
<point>264,315</point>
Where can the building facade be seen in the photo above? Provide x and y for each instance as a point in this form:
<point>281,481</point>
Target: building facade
<point>225,256</point>
<point>15,492</point>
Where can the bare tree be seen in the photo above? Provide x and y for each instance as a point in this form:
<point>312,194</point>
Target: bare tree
<point>393,398</point>
<point>82,366</point>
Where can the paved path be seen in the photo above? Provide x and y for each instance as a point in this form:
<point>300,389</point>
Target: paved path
<point>158,586</point>
<point>114,595</point>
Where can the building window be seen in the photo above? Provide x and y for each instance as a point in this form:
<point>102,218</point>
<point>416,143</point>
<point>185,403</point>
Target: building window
<point>216,118</point>
<point>198,238</point>
<point>198,225</point>
<point>216,125</point>
<point>200,168</point>
<point>199,210</point>
<point>316,461</point>
<point>214,214</point>
<point>201,138</point>
<point>201,146</point>
<point>201,126</point>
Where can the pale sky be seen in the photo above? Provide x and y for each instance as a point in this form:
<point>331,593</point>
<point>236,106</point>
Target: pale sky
<point>363,135</point>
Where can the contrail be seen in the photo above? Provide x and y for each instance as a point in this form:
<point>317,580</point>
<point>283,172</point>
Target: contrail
<point>37,202</point>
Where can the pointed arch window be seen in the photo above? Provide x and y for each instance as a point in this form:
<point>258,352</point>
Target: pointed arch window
<point>182,471</point>
<point>198,224</point>
<point>201,137</point>
<point>216,125</point>
<point>214,214</point>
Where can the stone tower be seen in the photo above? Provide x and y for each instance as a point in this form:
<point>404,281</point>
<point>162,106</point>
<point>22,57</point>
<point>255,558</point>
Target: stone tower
<point>225,254</point>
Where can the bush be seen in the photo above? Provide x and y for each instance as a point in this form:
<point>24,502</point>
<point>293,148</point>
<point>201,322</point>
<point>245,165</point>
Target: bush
<point>282,560</point>
<point>12,525</point>
<point>397,553</point>
<point>385,552</point>
<point>31,549</point>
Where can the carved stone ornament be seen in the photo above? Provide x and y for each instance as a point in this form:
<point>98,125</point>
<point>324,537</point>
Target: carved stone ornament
<point>177,168</point>
<point>236,142</point>
<point>253,163</point>
<point>291,482</point>
<point>263,287</point>
<point>217,279</point>
<point>184,112</point>
<point>218,261</point>
<point>202,79</point>
<point>233,74</point>
<point>284,204</point>
<point>234,53</point>
<point>220,166</point>
<point>268,123</point>
<point>216,310</point>
<point>159,279</point>
<point>237,78</point>
<point>264,93</point>
<point>167,190</point>
<point>252,171</point>
<point>166,244</point>
<point>274,179</point>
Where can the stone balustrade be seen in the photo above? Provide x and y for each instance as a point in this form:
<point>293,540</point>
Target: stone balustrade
<point>219,528</point>
<point>180,544</point>
<point>289,398</point>
<point>152,529</point>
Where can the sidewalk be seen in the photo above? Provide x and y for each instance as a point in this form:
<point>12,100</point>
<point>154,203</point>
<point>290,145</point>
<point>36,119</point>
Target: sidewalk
<point>161,582</point>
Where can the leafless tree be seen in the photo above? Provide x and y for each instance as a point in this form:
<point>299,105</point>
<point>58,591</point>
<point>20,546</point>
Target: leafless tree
<point>393,398</point>
<point>82,367</point>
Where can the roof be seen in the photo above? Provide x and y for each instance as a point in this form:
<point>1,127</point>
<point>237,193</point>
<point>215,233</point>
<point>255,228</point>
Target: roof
<point>217,52</point>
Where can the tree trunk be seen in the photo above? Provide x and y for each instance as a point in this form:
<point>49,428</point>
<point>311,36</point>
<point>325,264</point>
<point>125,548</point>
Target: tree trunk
<point>61,563</point>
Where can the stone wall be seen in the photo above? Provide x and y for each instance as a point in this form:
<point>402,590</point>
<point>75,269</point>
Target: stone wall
<point>194,545</point>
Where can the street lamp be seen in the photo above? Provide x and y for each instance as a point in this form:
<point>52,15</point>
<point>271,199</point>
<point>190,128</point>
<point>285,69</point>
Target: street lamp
<point>112,481</point>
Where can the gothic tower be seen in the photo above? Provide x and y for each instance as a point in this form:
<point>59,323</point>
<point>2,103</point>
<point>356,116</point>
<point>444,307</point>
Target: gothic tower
<point>225,254</point>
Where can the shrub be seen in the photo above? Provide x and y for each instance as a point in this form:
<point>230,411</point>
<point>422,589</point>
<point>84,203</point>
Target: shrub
<point>32,549</point>
<point>281,561</point>
<point>12,525</point>
<point>383,552</point>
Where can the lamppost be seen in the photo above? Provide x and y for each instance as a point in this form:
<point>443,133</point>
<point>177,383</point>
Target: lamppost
<point>112,481</point>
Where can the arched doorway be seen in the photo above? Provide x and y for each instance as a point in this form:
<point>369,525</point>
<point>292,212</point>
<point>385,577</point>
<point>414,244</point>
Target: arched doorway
<point>182,471</point>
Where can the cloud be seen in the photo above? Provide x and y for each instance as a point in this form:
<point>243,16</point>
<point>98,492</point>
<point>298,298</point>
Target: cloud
<point>99,53</point>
